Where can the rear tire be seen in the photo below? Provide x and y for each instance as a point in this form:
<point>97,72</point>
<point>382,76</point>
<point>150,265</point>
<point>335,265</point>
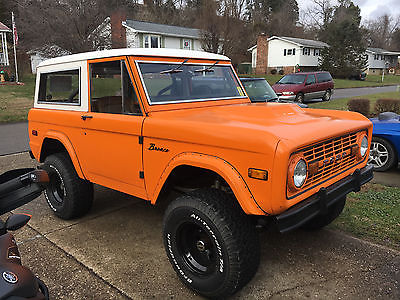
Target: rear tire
<point>323,220</point>
<point>67,195</point>
<point>211,244</point>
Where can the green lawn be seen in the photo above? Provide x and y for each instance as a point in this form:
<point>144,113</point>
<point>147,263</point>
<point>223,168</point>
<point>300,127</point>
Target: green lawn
<point>371,80</point>
<point>372,214</point>
<point>341,104</point>
<point>16,100</point>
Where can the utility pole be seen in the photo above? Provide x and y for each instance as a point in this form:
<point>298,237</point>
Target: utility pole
<point>14,32</point>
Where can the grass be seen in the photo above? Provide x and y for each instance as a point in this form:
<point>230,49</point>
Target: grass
<point>371,81</point>
<point>341,104</point>
<point>16,100</point>
<point>372,214</point>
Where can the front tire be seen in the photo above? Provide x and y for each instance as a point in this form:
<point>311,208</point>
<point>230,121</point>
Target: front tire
<point>210,242</point>
<point>382,155</point>
<point>323,220</point>
<point>327,96</point>
<point>299,98</point>
<point>67,195</point>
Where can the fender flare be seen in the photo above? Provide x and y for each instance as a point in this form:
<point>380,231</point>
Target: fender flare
<point>63,139</point>
<point>223,168</point>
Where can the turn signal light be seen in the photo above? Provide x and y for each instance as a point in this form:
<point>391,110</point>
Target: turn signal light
<point>258,174</point>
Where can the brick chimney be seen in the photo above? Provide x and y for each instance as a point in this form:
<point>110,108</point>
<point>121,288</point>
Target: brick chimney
<point>118,32</point>
<point>262,54</point>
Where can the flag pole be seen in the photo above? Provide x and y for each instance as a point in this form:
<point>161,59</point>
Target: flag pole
<point>15,48</point>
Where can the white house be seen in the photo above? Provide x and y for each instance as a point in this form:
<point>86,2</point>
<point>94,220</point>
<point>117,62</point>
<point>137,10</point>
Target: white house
<point>285,53</point>
<point>4,61</point>
<point>380,59</point>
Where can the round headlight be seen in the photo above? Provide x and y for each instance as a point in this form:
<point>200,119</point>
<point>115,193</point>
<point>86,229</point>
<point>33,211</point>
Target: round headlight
<point>364,146</point>
<point>300,173</point>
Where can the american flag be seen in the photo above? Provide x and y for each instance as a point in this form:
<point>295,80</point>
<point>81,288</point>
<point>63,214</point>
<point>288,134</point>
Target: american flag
<point>14,28</point>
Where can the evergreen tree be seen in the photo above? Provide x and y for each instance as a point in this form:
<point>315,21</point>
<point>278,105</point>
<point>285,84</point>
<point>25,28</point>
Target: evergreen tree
<point>346,52</point>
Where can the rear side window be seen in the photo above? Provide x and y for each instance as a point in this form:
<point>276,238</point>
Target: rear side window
<point>60,87</point>
<point>324,77</point>
<point>310,79</point>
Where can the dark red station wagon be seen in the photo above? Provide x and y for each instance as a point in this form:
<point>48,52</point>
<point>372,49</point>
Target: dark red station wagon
<point>304,86</point>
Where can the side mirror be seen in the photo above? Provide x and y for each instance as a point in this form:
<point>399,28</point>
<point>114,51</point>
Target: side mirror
<point>17,221</point>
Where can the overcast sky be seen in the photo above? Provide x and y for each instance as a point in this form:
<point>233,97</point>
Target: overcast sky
<point>370,9</point>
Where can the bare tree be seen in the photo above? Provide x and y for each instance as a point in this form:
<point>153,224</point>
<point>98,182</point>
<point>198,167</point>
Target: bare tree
<point>380,31</point>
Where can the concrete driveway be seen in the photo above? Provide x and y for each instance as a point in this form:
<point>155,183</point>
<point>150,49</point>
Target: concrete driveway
<point>116,252</point>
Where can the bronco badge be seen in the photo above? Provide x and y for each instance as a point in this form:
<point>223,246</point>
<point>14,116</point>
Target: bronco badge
<point>155,148</point>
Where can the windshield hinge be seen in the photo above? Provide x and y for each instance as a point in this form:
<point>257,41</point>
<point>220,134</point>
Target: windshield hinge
<point>140,140</point>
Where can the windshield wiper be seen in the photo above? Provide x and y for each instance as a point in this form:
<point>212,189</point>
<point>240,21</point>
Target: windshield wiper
<point>272,99</point>
<point>175,70</point>
<point>209,69</point>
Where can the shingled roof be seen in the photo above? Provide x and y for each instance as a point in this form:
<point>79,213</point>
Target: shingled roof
<point>301,42</point>
<point>4,28</point>
<point>168,30</point>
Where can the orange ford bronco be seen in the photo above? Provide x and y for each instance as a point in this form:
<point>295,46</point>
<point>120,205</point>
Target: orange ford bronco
<point>177,126</point>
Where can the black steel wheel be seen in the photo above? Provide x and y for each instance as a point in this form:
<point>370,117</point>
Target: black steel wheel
<point>66,194</point>
<point>211,244</point>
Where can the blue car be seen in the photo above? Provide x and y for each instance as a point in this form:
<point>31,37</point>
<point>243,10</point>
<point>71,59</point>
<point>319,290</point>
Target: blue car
<point>385,146</point>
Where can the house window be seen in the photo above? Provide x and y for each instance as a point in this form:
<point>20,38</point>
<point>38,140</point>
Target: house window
<point>317,52</point>
<point>289,52</point>
<point>152,41</point>
<point>187,44</point>
<point>306,51</point>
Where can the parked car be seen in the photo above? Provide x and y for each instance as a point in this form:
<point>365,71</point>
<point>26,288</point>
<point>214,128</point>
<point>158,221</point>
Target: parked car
<point>176,127</point>
<point>385,146</point>
<point>358,76</point>
<point>259,90</point>
<point>305,86</point>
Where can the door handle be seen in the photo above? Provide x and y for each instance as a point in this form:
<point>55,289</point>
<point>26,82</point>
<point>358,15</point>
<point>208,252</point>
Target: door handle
<point>86,117</point>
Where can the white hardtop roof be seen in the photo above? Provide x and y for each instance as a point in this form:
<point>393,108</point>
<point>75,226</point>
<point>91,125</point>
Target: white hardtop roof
<point>160,52</point>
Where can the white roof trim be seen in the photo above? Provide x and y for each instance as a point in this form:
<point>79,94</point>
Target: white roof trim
<point>289,41</point>
<point>383,53</point>
<point>251,48</point>
<point>158,33</point>
<point>159,52</point>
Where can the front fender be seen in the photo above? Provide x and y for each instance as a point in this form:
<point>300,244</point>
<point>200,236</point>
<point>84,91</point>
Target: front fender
<point>218,165</point>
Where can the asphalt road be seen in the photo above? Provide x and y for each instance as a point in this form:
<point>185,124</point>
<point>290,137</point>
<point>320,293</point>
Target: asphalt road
<point>345,93</point>
<point>14,138</point>
<point>116,252</point>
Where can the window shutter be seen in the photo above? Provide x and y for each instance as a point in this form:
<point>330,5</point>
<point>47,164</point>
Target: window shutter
<point>163,42</point>
<point>284,52</point>
<point>181,44</point>
<point>141,45</point>
<point>294,51</point>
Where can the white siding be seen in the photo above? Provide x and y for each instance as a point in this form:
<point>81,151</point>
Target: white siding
<point>276,57</point>
<point>197,45</point>
<point>308,60</point>
<point>36,59</point>
<point>172,42</point>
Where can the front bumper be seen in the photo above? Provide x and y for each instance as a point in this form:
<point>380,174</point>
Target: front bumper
<point>320,202</point>
<point>287,97</point>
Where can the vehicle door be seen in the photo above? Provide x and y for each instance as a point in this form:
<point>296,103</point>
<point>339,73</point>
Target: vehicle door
<point>112,154</point>
<point>311,87</point>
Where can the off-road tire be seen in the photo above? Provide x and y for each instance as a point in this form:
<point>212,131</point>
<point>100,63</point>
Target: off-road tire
<point>226,231</point>
<point>387,147</point>
<point>300,97</point>
<point>322,220</point>
<point>67,195</point>
<point>327,96</point>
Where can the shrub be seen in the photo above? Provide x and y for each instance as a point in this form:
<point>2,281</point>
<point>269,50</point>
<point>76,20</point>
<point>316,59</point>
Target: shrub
<point>361,106</point>
<point>383,105</point>
<point>273,71</point>
<point>281,72</point>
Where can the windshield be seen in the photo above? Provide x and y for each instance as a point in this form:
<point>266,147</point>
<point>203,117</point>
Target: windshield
<point>292,79</point>
<point>181,82</point>
<point>259,90</point>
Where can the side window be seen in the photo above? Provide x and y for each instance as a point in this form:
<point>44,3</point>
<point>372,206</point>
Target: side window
<point>60,87</point>
<point>111,89</point>
<point>310,79</point>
